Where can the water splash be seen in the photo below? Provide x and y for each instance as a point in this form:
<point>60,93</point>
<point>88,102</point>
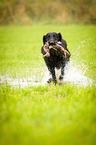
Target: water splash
<point>76,76</point>
<point>72,75</point>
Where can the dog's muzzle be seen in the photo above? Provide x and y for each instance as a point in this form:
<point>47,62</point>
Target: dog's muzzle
<point>52,43</point>
<point>57,47</point>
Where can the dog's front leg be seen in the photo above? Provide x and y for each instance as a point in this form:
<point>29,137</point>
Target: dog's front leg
<point>52,71</point>
<point>62,73</point>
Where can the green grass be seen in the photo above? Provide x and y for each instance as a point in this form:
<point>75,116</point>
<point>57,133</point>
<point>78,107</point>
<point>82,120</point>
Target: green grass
<point>46,115</point>
<point>20,48</point>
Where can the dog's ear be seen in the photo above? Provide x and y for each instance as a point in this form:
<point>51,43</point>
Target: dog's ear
<point>59,37</point>
<point>44,39</point>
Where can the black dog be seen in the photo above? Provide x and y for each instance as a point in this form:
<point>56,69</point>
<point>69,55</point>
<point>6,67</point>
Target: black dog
<point>55,54</point>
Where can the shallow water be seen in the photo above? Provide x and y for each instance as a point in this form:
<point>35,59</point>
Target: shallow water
<point>72,75</point>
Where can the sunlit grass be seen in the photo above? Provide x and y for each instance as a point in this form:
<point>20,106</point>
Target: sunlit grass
<point>20,48</point>
<point>49,114</point>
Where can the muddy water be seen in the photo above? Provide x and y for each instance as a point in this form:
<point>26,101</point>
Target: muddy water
<point>72,75</point>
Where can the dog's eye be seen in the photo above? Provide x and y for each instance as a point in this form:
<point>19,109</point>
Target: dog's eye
<point>49,37</point>
<point>53,36</point>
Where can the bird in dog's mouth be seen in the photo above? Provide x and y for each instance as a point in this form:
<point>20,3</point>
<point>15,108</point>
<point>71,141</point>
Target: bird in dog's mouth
<point>57,47</point>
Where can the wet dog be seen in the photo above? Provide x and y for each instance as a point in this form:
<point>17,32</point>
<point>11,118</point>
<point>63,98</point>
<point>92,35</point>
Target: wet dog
<point>55,54</point>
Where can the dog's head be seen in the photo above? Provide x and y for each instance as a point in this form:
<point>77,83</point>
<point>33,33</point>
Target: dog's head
<point>52,38</point>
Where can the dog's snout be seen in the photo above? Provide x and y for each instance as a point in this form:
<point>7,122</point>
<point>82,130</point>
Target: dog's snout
<point>51,42</point>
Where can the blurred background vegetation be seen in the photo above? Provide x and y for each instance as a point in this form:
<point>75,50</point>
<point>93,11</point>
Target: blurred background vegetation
<point>27,12</point>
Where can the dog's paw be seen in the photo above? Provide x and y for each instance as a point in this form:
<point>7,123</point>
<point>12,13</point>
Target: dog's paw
<point>49,81</point>
<point>61,77</point>
<point>55,82</point>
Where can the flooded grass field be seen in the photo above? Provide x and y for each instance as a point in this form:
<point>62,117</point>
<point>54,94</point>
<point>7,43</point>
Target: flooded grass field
<point>72,75</point>
<point>33,112</point>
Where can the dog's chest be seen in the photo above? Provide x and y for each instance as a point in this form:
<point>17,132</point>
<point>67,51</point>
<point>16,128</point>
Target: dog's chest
<point>56,59</point>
